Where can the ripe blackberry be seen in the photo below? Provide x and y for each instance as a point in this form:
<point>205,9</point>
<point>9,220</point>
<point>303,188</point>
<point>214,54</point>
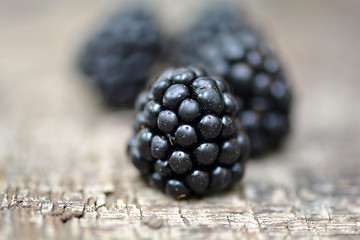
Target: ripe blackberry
<point>119,57</point>
<point>229,48</point>
<point>187,139</point>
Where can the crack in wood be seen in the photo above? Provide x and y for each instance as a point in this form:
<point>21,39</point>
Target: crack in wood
<point>185,220</point>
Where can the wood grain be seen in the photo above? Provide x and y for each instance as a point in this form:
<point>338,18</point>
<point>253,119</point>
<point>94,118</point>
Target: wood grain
<point>63,169</point>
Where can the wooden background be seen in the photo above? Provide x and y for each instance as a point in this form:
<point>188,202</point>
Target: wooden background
<point>63,170</point>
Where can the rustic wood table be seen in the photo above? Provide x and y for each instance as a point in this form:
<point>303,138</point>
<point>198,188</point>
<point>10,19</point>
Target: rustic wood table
<point>63,169</point>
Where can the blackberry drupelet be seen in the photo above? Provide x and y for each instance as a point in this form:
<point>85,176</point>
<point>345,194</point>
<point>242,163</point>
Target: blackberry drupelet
<point>187,138</point>
<point>227,47</point>
<point>118,59</point>
<point>214,21</point>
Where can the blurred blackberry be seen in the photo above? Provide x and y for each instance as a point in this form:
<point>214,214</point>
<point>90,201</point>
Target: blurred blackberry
<point>214,21</point>
<point>228,47</point>
<point>119,57</point>
<point>187,138</point>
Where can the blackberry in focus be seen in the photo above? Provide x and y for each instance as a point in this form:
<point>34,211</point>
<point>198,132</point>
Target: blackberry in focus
<point>227,46</point>
<point>187,139</point>
<point>118,59</point>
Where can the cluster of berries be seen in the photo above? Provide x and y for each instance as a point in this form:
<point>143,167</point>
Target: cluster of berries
<point>195,126</point>
<point>187,138</point>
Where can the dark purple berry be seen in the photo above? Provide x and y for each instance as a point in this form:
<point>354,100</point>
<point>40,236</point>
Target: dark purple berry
<point>157,181</point>
<point>151,112</point>
<point>163,168</point>
<point>144,138</point>
<point>237,172</point>
<point>174,95</point>
<point>241,76</point>
<point>118,59</point>
<point>208,94</point>
<point>231,104</point>
<point>230,152</point>
<point>159,88</point>
<point>177,189</point>
<point>183,76</point>
<point>245,145</point>
<point>224,86</point>
<point>159,147</point>
<point>210,126</point>
<point>185,136</point>
<point>142,165</point>
<point>261,84</point>
<point>141,101</point>
<point>199,72</point>
<point>206,153</point>
<point>250,120</point>
<point>198,181</point>
<point>180,162</point>
<point>167,121</point>
<point>228,126</point>
<point>196,141</point>
<point>220,178</point>
<point>229,47</point>
<point>189,110</point>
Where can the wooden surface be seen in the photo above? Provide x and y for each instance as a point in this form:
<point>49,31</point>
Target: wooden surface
<point>63,170</point>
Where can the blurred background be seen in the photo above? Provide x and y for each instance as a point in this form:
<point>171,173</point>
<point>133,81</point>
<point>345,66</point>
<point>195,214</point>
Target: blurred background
<point>50,119</point>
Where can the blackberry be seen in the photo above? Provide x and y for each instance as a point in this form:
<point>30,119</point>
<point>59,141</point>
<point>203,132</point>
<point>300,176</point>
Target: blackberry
<point>188,140</point>
<point>118,59</point>
<point>228,47</point>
